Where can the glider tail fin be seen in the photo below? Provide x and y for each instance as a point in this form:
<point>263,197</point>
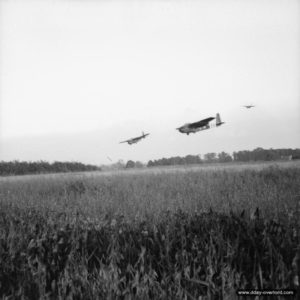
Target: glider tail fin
<point>218,120</point>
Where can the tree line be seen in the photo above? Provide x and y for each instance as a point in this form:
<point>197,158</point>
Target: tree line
<point>258,154</point>
<point>23,167</point>
<point>191,159</point>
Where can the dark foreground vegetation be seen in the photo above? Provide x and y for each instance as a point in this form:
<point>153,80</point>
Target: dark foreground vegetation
<point>42,167</point>
<point>207,254</point>
<point>187,235</point>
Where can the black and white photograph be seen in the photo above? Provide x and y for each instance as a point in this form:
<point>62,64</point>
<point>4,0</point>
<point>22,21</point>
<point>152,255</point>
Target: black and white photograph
<point>149,149</point>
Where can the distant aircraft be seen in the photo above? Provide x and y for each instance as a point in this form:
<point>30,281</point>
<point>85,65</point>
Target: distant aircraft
<point>249,106</point>
<point>200,125</point>
<point>136,139</point>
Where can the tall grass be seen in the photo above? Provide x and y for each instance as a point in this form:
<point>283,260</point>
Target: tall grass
<point>179,234</point>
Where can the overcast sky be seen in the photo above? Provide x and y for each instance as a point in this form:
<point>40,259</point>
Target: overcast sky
<point>77,77</point>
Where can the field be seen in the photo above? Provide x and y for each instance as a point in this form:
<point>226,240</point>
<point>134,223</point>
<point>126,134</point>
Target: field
<point>199,232</point>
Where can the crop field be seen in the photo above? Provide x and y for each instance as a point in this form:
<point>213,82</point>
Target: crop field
<point>198,232</point>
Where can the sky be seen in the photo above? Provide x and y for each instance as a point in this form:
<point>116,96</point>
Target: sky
<point>77,77</point>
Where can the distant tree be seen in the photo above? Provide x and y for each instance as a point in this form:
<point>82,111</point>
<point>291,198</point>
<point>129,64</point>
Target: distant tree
<point>164,161</point>
<point>150,163</point>
<point>242,156</point>
<point>192,159</point>
<point>258,154</point>
<point>139,164</point>
<point>224,157</point>
<point>130,164</point>
<point>210,157</point>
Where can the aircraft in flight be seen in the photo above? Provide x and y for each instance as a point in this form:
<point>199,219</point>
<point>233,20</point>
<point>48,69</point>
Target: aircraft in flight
<point>200,125</point>
<point>136,139</point>
<point>249,106</point>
